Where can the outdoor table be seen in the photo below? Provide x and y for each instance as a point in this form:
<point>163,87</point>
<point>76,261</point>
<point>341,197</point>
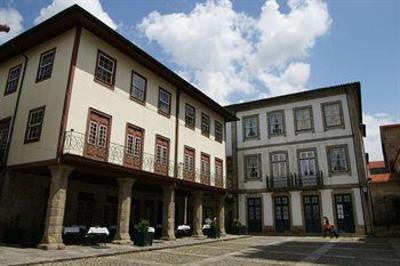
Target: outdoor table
<point>98,234</point>
<point>206,229</point>
<point>183,230</point>
<point>74,233</point>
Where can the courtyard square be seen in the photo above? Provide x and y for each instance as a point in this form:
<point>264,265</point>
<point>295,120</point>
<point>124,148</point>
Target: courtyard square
<point>254,250</point>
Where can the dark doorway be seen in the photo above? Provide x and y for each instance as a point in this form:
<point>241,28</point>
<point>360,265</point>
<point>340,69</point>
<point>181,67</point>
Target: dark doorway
<point>312,215</point>
<point>254,215</point>
<point>344,213</point>
<point>282,221</point>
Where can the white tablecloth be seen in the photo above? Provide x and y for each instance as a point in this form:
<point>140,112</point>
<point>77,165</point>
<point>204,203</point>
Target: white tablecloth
<point>71,229</point>
<point>98,230</point>
<point>206,226</point>
<point>183,227</point>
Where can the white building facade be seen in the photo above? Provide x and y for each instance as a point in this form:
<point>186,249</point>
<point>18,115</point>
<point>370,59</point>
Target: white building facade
<point>297,158</point>
<point>94,131</point>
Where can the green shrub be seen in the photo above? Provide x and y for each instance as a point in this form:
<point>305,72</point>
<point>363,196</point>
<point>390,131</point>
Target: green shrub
<point>143,226</point>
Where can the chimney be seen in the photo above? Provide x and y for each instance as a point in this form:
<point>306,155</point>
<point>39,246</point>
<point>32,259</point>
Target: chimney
<point>4,28</point>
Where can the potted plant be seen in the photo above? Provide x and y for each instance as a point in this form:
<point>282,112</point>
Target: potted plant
<point>143,237</point>
<point>214,230</point>
<point>238,228</point>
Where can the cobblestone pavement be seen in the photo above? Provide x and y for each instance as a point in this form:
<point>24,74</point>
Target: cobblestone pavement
<point>263,250</point>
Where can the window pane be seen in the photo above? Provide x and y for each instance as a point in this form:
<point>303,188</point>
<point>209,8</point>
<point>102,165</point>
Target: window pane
<point>333,115</point>
<point>46,65</point>
<point>190,115</point>
<point>218,131</point>
<point>205,124</point>
<point>251,127</point>
<point>303,119</point>
<point>105,69</point>
<point>138,87</point>
<point>276,123</point>
<point>164,101</point>
<point>338,159</point>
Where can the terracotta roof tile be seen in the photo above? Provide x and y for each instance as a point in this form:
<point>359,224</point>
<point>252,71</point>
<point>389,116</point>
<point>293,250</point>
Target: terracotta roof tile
<point>383,178</point>
<point>376,164</point>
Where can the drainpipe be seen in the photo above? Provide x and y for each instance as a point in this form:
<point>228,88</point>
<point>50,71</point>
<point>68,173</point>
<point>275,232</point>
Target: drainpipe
<point>178,94</point>
<point>3,171</point>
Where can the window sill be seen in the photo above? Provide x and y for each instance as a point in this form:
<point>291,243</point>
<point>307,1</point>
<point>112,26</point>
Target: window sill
<point>105,84</point>
<point>42,79</point>
<point>138,100</point>
<point>168,115</point>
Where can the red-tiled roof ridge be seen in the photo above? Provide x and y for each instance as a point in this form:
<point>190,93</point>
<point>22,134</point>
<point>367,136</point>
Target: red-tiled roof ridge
<point>376,164</point>
<point>384,178</point>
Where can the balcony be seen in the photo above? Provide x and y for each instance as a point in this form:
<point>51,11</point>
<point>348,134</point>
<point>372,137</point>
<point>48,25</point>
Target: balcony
<point>196,174</point>
<point>295,182</point>
<point>76,144</point>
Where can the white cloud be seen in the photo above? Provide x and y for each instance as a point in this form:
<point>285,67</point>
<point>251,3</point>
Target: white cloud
<point>225,52</point>
<point>372,142</point>
<point>92,6</point>
<point>292,79</point>
<point>13,19</point>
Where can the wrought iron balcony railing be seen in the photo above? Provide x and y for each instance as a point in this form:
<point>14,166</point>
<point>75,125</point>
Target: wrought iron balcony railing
<point>295,182</point>
<point>195,174</point>
<point>76,144</point>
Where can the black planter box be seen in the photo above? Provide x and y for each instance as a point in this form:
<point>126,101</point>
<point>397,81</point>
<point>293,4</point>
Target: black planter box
<point>143,239</point>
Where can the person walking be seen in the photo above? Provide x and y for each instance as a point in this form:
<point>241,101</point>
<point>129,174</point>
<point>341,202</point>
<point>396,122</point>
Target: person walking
<point>329,228</point>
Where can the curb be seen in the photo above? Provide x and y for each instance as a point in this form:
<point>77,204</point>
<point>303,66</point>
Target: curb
<point>116,253</point>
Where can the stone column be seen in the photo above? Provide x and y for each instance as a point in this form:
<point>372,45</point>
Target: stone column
<point>124,211</point>
<point>52,238</point>
<point>168,223</point>
<point>198,214</point>
<point>221,214</point>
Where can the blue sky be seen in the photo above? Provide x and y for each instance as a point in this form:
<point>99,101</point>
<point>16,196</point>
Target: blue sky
<point>319,44</point>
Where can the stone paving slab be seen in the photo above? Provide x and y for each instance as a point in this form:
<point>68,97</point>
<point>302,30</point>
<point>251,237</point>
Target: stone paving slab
<point>257,251</point>
<point>32,256</point>
<point>326,260</point>
<point>161,257</point>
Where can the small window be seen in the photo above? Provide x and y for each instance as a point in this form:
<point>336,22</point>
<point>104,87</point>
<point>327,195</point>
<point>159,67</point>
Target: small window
<point>218,131</point>
<point>46,65</point>
<point>332,115</point>
<point>13,79</point>
<point>253,166</point>
<point>338,159</point>
<point>164,102</point>
<point>276,123</point>
<point>105,69</point>
<point>138,87</point>
<point>303,119</point>
<point>250,127</point>
<point>205,125</point>
<point>34,126</point>
<point>190,116</point>
<point>279,163</point>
